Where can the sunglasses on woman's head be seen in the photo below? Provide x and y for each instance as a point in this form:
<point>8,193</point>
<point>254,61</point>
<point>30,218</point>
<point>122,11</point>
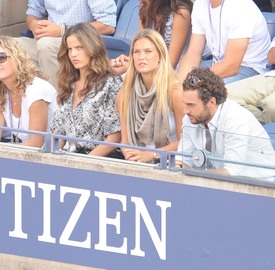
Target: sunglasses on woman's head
<point>3,57</point>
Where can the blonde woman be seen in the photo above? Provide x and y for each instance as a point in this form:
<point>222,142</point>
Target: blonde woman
<point>27,100</point>
<point>172,19</point>
<point>150,101</point>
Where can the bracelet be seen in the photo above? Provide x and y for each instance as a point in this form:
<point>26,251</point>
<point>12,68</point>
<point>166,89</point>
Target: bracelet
<point>63,29</point>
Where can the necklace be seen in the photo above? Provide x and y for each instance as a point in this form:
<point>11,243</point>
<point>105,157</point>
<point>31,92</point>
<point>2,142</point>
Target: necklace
<point>14,136</point>
<point>216,54</point>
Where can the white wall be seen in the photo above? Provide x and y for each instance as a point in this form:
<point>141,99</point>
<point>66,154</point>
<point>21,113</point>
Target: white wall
<point>12,16</point>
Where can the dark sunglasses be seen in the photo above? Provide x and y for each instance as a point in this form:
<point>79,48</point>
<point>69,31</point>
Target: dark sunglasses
<point>3,57</point>
<point>193,81</point>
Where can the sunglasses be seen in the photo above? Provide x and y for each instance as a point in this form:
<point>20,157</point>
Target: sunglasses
<point>3,57</point>
<point>194,81</point>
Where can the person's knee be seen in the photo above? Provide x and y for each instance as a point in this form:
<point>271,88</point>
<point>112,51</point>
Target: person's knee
<point>268,106</point>
<point>45,44</point>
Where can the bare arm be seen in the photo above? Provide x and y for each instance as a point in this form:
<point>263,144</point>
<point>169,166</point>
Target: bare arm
<point>2,122</point>
<point>192,58</point>
<point>180,32</point>
<point>105,150</point>
<point>38,121</point>
<point>103,29</point>
<point>271,56</point>
<point>234,54</point>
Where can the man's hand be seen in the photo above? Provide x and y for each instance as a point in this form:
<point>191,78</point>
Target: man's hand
<point>45,28</point>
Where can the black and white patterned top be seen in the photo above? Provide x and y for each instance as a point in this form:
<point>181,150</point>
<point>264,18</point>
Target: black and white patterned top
<point>95,117</point>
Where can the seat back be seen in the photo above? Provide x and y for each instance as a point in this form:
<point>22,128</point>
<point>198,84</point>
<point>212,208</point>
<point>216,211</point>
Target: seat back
<point>127,24</point>
<point>127,27</point>
<point>119,5</point>
<point>270,20</point>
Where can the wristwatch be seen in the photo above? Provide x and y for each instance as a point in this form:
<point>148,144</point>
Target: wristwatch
<point>156,155</point>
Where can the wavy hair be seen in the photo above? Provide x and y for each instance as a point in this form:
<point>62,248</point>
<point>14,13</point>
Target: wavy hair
<point>99,65</point>
<point>165,78</point>
<point>155,13</point>
<point>207,83</point>
<point>25,69</point>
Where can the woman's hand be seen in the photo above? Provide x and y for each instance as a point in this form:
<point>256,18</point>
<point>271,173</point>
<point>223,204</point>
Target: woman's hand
<point>137,155</point>
<point>120,64</point>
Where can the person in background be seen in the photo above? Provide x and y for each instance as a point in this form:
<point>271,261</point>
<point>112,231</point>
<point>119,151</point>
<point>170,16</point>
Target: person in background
<point>149,102</point>
<point>87,92</point>
<point>172,19</point>
<point>223,129</point>
<point>236,34</point>
<point>27,100</point>
<point>257,93</point>
<point>48,21</point>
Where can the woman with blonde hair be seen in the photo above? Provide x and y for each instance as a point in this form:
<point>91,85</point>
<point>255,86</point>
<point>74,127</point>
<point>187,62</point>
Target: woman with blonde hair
<point>172,19</point>
<point>27,100</point>
<point>150,105</point>
<point>87,90</point>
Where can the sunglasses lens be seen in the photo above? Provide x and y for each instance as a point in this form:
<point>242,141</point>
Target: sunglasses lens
<point>3,57</point>
<point>195,80</point>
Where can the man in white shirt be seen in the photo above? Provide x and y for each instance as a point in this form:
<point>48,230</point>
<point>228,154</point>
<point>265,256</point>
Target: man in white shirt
<point>236,34</point>
<point>257,93</point>
<point>222,129</point>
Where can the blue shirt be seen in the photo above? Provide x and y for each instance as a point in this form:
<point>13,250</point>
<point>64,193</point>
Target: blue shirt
<point>72,12</point>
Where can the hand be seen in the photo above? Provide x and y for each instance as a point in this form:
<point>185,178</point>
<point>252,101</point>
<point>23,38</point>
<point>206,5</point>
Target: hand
<point>46,28</point>
<point>138,156</point>
<point>120,64</point>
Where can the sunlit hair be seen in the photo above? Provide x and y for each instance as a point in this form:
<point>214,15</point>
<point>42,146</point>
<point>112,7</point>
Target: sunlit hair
<point>99,65</point>
<point>207,83</point>
<point>25,70</point>
<point>165,78</point>
<point>155,13</point>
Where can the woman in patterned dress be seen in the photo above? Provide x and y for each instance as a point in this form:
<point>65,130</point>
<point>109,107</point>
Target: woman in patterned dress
<point>87,90</point>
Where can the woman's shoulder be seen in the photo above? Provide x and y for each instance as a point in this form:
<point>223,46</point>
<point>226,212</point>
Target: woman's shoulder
<point>39,83</point>
<point>113,81</point>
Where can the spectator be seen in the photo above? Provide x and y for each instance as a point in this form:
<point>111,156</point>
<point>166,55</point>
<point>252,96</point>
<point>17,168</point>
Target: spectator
<point>237,35</point>
<point>172,19</point>
<point>222,128</point>
<point>87,92</point>
<point>257,93</point>
<point>150,99</point>
<point>48,22</point>
<point>27,101</point>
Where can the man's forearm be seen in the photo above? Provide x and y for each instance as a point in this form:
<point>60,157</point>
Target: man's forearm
<point>102,28</point>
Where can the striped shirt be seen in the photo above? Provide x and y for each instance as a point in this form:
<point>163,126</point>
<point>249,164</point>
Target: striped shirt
<point>71,12</point>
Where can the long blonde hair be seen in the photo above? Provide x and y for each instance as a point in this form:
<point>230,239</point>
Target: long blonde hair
<point>25,71</point>
<point>164,80</point>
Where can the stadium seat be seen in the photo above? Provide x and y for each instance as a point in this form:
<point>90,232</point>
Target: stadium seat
<point>119,6</point>
<point>127,27</point>
<point>270,19</point>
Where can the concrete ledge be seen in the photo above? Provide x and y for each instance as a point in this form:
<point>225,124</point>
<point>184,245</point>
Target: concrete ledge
<point>129,168</point>
<point>12,262</point>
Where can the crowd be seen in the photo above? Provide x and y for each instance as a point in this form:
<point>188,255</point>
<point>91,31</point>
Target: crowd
<point>168,98</point>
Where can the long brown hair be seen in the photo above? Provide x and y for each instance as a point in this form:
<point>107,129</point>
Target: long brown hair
<point>99,65</point>
<point>155,13</point>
